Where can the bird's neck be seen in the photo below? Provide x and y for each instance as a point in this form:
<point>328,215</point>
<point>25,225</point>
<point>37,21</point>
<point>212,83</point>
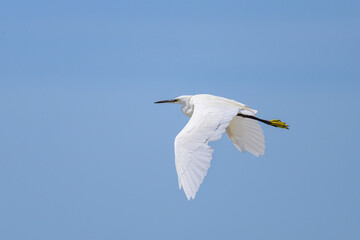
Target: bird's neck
<point>188,109</point>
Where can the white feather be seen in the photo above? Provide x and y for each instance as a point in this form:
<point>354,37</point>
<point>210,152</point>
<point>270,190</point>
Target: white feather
<point>247,135</point>
<point>192,152</point>
<point>211,116</point>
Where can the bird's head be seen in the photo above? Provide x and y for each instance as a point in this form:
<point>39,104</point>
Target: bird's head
<point>183,100</point>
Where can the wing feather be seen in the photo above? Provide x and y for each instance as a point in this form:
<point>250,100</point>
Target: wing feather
<point>192,152</point>
<point>247,135</point>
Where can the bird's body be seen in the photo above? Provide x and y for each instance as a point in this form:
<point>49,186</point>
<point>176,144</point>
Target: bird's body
<point>210,116</point>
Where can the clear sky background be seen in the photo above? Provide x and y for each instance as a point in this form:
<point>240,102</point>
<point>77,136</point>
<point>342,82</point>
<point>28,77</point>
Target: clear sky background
<point>85,154</point>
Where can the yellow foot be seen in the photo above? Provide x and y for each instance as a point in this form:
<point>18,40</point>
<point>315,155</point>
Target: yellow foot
<point>278,123</point>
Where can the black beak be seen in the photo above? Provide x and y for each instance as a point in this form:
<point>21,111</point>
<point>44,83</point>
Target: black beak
<point>167,101</point>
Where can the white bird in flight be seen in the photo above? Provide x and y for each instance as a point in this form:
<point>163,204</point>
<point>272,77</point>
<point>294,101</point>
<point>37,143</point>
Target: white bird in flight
<point>211,116</point>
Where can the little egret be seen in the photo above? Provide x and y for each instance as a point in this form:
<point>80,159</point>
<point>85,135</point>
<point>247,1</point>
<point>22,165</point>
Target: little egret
<point>211,116</point>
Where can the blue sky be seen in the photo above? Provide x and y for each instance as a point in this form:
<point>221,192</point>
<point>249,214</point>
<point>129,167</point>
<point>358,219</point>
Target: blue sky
<point>85,154</point>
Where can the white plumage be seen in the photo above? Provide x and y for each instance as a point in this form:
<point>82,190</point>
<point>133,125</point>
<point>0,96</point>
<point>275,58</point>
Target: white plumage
<point>211,116</point>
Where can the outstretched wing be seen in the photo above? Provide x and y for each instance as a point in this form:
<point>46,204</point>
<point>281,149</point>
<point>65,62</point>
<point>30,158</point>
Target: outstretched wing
<point>192,152</point>
<point>247,135</point>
